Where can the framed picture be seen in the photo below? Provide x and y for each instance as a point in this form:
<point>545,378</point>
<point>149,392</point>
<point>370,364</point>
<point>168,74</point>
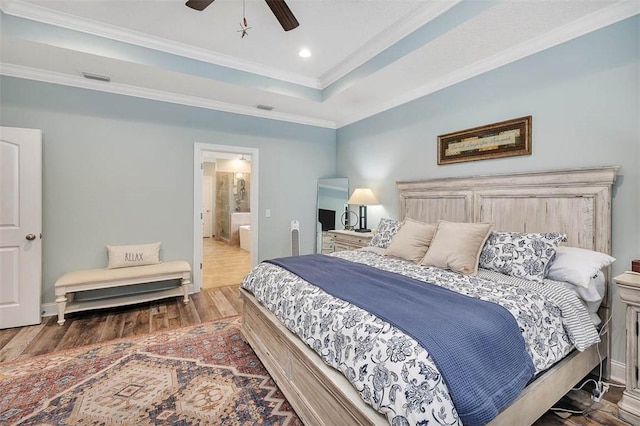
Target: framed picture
<point>503,139</point>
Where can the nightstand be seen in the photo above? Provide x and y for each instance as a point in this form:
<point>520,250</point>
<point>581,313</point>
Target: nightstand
<point>327,243</point>
<point>350,240</point>
<point>629,289</point>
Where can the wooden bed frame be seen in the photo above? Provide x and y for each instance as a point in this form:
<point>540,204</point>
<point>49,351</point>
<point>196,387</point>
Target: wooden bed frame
<point>576,202</point>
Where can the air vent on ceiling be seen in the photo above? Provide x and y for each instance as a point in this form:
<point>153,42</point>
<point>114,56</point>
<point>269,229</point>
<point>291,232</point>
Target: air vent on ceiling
<point>98,77</point>
<point>264,107</point>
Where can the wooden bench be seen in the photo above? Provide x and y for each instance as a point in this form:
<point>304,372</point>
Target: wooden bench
<point>93,279</point>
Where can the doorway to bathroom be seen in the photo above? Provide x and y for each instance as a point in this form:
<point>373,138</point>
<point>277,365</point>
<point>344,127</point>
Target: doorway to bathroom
<point>230,195</point>
<point>225,250</point>
<point>226,214</point>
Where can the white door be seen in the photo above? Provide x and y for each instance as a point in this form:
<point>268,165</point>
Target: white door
<point>20,226</point>
<point>207,185</point>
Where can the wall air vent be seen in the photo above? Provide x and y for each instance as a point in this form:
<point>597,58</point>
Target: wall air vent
<point>264,107</point>
<point>98,77</point>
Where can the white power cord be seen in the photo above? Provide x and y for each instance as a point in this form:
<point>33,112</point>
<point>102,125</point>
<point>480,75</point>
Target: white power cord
<point>600,387</point>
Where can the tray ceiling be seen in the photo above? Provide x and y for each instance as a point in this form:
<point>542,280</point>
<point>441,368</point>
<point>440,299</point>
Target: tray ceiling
<point>367,55</point>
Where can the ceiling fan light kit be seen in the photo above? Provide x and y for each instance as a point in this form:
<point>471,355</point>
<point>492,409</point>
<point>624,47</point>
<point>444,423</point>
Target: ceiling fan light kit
<point>279,8</point>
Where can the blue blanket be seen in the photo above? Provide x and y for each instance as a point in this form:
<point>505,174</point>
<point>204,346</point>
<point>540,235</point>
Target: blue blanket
<point>476,345</point>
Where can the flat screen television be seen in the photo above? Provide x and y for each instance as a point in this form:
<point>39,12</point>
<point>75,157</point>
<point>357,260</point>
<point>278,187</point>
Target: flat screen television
<point>327,218</point>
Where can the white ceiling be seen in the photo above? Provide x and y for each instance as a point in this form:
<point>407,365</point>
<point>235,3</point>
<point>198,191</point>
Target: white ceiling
<point>367,55</point>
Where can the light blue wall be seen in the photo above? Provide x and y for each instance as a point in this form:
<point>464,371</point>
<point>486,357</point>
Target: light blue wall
<point>119,170</point>
<point>584,97</point>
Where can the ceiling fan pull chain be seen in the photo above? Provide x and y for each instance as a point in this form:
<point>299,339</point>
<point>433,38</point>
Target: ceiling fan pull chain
<point>244,12</point>
<point>243,25</point>
<point>279,8</point>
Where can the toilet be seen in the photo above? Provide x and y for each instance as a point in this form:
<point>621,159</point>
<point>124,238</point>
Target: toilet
<point>245,237</point>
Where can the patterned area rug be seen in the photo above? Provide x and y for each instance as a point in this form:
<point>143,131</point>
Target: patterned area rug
<point>198,375</point>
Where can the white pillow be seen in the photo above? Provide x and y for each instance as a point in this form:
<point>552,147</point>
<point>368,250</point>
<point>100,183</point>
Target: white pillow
<point>577,266</point>
<point>133,255</point>
<point>590,296</point>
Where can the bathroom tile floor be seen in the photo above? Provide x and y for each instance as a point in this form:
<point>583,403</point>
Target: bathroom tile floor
<point>222,264</point>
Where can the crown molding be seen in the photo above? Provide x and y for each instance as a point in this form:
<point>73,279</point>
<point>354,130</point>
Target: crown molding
<point>11,70</point>
<point>592,22</point>
<point>386,39</point>
<point>37,13</point>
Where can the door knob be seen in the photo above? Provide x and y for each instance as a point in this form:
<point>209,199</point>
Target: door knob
<point>31,237</point>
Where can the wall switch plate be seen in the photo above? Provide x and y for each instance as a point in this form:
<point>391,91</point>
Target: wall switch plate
<point>267,213</point>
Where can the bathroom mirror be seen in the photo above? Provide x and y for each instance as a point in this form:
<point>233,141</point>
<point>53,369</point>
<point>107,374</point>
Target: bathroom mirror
<point>333,194</point>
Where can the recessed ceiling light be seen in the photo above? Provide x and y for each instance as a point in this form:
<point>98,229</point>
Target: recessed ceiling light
<point>304,53</point>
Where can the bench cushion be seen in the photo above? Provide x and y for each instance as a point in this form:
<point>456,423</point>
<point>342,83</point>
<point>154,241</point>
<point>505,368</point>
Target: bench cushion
<point>87,276</point>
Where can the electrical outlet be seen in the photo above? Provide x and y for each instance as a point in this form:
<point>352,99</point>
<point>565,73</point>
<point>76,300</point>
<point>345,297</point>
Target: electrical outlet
<point>596,395</point>
<point>267,213</point>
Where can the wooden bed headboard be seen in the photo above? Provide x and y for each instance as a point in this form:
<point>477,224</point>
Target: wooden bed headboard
<point>575,202</point>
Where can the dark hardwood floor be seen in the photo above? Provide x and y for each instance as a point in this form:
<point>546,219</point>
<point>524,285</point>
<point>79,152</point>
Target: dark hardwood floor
<point>84,328</point>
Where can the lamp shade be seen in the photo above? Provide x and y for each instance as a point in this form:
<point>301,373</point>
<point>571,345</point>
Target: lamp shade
<point>363,197</point>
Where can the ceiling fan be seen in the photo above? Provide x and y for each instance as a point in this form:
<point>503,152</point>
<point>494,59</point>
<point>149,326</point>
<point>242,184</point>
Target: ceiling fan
<point>278,7</point>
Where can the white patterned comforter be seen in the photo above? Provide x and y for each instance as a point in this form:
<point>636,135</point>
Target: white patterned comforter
<point>389,369</point>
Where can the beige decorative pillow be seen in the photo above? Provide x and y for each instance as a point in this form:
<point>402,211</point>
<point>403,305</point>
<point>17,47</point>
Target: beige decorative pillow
<point>457,246</point>
<point>411,241</point>
<point>134,255</point>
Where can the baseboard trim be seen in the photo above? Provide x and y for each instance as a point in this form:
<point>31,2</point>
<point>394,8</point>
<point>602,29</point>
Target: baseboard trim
<point>618,371</point>
<point>48,310</point>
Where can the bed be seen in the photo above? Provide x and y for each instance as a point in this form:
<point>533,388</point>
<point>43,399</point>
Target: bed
<point>576,203</point>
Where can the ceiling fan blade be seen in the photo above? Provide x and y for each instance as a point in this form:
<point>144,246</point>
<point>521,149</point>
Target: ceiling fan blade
<point>283,14</point>
<point>198,4</point>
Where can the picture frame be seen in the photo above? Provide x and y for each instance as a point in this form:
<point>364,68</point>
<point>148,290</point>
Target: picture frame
<point>503,139</point>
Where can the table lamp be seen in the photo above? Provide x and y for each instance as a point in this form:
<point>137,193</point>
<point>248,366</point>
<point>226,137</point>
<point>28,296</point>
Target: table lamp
<point>363,197</point>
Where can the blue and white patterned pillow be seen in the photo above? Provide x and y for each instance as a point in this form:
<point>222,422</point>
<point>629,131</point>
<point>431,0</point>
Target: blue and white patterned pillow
<point>387,228</point>
<point>522,255</point>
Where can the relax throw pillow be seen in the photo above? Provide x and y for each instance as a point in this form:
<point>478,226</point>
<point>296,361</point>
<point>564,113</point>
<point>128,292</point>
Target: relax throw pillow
<point>133,255</point>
